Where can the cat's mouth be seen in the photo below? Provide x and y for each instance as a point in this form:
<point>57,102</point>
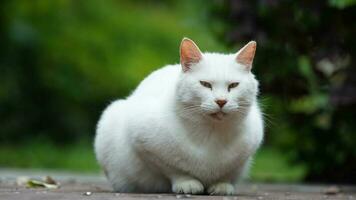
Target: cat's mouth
<point>218,115</point>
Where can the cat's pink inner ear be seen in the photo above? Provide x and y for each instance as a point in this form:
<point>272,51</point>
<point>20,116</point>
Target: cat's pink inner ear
<point>189,54</point>
<point>246,54</point>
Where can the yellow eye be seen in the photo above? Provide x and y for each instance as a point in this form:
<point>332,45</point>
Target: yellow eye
<point>206,84</point>
<point>233,85</point>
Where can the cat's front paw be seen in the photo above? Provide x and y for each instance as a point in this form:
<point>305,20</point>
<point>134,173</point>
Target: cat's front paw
<point>221,189</point>
<point>188,187</point>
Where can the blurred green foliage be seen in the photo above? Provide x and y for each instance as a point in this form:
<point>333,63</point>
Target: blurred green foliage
<point>44,154</point>
<point>63,61</point>
<point>306,64</point>
<point>272,165</point>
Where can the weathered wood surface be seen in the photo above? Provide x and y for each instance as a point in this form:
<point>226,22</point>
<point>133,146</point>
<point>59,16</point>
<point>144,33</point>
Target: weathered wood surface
<point>74,186</point>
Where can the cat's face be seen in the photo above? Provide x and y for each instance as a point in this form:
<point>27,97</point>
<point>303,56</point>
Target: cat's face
<point>215,85</point>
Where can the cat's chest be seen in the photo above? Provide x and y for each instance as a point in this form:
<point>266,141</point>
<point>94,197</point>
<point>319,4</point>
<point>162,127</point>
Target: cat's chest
<point>204,157</point>
<point>210,160</point>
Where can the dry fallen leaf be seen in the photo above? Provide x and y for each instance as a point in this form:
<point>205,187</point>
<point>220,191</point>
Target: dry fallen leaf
<point>50,180</point>
<point>47,182</point>
<point>38,184</point>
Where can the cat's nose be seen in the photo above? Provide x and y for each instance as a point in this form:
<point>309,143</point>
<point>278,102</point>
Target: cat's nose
<point>221,102</point>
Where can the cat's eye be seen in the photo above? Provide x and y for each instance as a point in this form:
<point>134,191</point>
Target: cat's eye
<point>206,84</point>
<point>233,85</point>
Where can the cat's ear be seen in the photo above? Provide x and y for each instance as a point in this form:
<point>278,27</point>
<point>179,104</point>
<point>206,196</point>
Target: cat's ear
<point>246,54</point>
<point>189,54</point>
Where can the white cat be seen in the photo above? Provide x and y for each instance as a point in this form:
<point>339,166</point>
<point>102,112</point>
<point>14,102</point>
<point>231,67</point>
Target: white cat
<point>188,128</point>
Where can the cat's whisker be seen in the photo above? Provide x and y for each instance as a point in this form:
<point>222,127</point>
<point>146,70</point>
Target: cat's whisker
<point>268,119</point>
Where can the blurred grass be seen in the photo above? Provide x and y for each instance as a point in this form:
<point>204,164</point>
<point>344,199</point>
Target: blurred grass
<point>270,165</point>
<point>45,155</point>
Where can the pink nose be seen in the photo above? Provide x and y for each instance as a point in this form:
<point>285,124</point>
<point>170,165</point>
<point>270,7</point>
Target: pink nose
<point>221,102</point>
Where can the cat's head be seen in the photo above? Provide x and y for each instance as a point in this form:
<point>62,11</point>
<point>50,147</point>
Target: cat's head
<point>214,85</point>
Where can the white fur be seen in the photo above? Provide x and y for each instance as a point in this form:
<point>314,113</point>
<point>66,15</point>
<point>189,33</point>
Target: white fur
<point>163,139</point>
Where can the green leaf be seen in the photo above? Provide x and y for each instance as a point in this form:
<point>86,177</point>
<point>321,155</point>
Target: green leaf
<point>341,4</point>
